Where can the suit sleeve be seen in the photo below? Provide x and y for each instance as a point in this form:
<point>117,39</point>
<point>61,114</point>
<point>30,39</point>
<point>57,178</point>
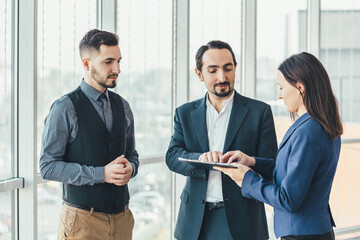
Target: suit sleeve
<point>265,167</point>
<point>177,148</point>
<point>289,194</point>
<point>267,145</point>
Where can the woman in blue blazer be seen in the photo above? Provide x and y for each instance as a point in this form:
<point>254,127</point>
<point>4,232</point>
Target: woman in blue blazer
<point>307,157</point>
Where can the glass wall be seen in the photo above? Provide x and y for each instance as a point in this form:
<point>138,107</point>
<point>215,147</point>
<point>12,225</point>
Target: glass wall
<point>280,32</point>
<point>150,199</point>
<point>280,29</point>
<point>144,30</point>
<point>145,33</point>
<point>61,26</point>
<point>340,54</point>
<point>213,20</point>
<point>283,34</point>
<point>6,118</point>
<point>6,91</point>
<point>49,200</point>
<point>6,216</point>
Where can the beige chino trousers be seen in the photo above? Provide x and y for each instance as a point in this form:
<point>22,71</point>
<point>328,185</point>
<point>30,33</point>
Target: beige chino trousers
<point>80,224</point>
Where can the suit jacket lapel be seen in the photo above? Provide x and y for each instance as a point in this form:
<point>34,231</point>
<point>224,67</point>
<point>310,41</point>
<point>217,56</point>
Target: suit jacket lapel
<point>198,117</point>
<point>286,136</point>
<point>293,127</point>
<point>237,117</point>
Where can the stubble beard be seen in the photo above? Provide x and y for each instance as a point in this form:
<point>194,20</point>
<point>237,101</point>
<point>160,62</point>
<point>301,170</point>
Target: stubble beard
<point>223,92</point>
<point>102,80</point>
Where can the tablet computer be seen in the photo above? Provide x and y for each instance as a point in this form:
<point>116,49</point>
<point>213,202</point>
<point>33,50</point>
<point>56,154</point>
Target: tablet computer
<point>207,165</point>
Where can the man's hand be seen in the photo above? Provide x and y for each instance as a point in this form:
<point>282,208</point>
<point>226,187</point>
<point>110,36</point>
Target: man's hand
<point>212,156</point>
<point>238,157</point>
<point>118,171</point>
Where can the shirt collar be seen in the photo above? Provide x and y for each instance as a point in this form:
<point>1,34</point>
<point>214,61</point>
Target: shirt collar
<point>92,92</point>
<point>225,103</point>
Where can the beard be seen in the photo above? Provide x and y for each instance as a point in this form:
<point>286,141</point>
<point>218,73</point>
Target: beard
<point>222,92</point>
<point>103,81</point>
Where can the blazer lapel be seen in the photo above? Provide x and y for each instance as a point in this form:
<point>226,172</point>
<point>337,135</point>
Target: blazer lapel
<point>293,127</point>
<point>198,117</point>
<point>286,137</point>
<point>237,117</point>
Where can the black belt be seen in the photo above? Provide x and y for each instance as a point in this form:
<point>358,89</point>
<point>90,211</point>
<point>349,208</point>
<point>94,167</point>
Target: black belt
<point>90,209</point>
<point>211,205</point>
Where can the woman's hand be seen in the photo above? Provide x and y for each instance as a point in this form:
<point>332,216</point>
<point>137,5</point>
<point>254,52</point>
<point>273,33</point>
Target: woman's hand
<point>236,174</point>
<point>239,157</point>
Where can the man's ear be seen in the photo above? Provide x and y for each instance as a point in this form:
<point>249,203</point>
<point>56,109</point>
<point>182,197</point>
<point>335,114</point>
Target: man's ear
<point>86,63</point>
<point>199,74</point>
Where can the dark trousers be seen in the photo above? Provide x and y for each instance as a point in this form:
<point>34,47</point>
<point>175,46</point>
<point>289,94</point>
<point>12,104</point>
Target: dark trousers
<point>327,236</point>
<point>214,226</point>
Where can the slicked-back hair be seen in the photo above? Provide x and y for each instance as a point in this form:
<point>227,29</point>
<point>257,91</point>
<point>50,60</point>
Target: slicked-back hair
<point>215,44</point>
<point>95,37</point>
<point>319,99</point>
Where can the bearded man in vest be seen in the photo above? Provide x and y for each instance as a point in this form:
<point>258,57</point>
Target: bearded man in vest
<point>88,144</point>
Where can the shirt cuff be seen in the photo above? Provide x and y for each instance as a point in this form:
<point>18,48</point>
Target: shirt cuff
<point>133,169</point>
<point>99,174</point>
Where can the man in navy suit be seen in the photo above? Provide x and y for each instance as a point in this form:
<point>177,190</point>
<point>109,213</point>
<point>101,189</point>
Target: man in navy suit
<point>212,206</point>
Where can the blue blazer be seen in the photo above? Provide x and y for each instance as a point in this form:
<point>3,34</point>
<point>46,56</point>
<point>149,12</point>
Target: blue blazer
<point>303,174</point>
<point>250,129</point>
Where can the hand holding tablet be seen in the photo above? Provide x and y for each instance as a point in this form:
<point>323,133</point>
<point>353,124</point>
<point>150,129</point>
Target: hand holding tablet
<point>206,164</point>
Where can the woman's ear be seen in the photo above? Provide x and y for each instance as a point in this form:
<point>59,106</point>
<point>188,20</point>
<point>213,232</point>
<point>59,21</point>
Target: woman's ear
<point>300,87</point>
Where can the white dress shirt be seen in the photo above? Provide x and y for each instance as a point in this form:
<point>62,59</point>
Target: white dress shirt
<point>217,125</point>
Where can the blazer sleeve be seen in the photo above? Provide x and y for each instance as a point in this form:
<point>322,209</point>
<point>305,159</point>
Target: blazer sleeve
<point>288,194</point>
<point>264,166</point>
<point>177,149</point>
<point>267,144</point>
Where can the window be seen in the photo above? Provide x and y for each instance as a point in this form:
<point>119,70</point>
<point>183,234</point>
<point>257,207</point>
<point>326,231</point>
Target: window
<point>7,108</point>
<point>281,29</point>
<point>340,54</point>
<point>61,26</point>
<point>144,29</point>
<point>213,20</point>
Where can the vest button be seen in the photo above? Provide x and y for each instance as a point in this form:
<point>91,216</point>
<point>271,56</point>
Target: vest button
<point>202,201</point>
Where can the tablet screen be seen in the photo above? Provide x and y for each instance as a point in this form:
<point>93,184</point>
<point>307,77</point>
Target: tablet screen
<point>207,165</point>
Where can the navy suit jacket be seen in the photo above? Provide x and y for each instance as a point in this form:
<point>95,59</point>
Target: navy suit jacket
<point>304,171</point>
<point>251,130</point>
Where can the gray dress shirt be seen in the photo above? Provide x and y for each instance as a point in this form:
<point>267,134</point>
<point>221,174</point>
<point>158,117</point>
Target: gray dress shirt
<point>61,128</point>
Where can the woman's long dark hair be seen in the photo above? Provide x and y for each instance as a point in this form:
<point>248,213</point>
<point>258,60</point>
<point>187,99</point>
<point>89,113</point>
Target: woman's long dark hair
<point>319,99</point>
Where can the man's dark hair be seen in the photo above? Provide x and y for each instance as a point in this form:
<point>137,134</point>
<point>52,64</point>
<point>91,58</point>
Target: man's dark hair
<point>95,37</point>
<point>215,44</point>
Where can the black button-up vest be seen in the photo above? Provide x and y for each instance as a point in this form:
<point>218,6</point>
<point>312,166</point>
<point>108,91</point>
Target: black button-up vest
<point>95,146</point>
